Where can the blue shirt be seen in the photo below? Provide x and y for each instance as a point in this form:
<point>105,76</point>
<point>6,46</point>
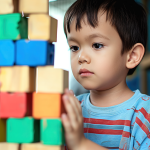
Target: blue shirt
<point>125,126</point>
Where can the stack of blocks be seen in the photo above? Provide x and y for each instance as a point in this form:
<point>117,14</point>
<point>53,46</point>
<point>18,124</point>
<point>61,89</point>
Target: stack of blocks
<point>31,91</point>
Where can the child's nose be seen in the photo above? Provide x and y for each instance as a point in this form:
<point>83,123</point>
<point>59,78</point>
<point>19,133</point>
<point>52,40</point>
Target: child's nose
<point>84,58</point>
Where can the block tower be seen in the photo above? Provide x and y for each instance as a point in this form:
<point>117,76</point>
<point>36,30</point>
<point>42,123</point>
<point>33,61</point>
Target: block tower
<point>32,89</point>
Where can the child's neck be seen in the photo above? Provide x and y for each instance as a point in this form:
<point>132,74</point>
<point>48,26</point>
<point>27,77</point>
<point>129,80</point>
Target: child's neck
<point>111,97</point>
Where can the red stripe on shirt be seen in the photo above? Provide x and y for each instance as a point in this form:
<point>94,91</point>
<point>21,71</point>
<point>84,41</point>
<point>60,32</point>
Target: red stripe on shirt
<point>107,131</point>
<point>107,122</point>
<point>146,115</point>
<point>143,126</point>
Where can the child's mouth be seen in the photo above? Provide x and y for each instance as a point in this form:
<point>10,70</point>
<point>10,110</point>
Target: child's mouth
<point>85,72</point>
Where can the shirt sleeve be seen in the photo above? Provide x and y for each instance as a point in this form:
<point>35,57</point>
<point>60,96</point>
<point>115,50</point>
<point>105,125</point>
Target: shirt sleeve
<point>145,145</point>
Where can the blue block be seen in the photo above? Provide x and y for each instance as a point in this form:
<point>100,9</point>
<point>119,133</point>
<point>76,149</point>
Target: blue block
<point>50,54</point>
<point>34,53</point>
<point>7,53</point>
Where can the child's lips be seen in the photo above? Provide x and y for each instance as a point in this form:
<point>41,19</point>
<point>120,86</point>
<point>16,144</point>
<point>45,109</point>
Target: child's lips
<point>85,72</point>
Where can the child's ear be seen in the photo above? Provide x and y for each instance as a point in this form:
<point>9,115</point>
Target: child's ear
<point>135,55</point>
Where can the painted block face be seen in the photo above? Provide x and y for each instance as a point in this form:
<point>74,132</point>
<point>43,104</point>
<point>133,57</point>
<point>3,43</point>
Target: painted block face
<point>17,79</point>
<point>42,27</point>
<point>39,146</point>
<point>47,105</point>
<point>24,130</point>
<point>7,53</point>
<point>2,130</point>
<point>34,6</point>
<point>14,27</point>
<point>34,53</point>
<point>9,146</point>
<point>52,132</point>
<point>17,105</point>
<point>51,80</point>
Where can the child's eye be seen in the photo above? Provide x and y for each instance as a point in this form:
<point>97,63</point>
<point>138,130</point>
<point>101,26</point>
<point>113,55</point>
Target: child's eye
<point>74,48</point>
<point>97,45</point>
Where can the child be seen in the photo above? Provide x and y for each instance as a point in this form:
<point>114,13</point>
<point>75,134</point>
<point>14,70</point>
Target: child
<point>107,39</point>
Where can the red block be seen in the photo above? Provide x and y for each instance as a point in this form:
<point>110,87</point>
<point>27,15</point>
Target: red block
<point>16,105</point>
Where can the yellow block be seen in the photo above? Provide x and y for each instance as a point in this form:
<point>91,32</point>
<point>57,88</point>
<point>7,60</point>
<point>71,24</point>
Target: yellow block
<point>8,6</point>
<point>34,6</point>
<point>17,79</point>
<point>9,146</point>
<point>51,80</point>
<point>39,146</point>
<point>2,131</point>
<point>42,27</point>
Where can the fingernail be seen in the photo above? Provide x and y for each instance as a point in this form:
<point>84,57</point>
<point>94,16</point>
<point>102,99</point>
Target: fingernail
<point>65,97</point>
<point>71,92</point>
<point>63,115</point>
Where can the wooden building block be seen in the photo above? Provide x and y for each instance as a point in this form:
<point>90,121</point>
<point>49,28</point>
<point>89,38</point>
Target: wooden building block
<point>9,146</point>
<point>8,6</point>
<point>2,130</point>
<point>7,53</point>
<point>42,27</point>
<point>35,53</point>
<point>17,79</point>
<point>17,105</point>
<point>52,132</point>
<point>34,6</point>
<point>23,130</point>
<point>39,146</point>
<point>14,27</point>
<point>51,80</point>
<point>47,105</point>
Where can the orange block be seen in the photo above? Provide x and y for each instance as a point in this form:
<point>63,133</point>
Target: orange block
<point>47,105</point>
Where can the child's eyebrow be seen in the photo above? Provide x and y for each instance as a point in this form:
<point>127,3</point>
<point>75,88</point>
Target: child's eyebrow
<point>98,35</point>
<point>90,37</point>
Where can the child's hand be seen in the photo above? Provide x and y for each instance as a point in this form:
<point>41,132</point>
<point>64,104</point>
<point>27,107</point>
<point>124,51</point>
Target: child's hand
<point>73,121</point>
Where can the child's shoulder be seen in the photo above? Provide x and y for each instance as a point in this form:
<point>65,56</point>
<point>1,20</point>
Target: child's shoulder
<point>82,97</point>
<point>142,102</point>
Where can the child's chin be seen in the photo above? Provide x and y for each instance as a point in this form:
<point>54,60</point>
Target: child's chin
<point>89,87</point>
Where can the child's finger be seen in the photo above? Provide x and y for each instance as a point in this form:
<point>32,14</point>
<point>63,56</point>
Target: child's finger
<point>73,101</point>
<point>66,123</point>
<point>70,111</point>
<point>78,105</point>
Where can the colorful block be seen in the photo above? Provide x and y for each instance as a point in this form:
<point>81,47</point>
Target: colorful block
<point>24,130</point>
<point>34,53</point>
<point>47,105</point>
<point>8,6</point>
<point>14,27</point>
<point>34,6</point>
<point>17,79</point>
<point>42,27</point>
<point>39,146</point>
<point>7,53</point>
<point>51,80</point>
<point>52,132</point>
<point>9,146</point>
<point>17,105</point>
<point>2,130</point>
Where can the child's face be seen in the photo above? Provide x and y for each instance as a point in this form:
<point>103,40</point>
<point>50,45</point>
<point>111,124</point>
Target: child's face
<point>99,51</point>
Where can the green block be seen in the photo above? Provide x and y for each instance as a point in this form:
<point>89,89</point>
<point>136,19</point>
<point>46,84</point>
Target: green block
<point>13,27</point>
<point>52,132</point>
<point>23,130</point>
